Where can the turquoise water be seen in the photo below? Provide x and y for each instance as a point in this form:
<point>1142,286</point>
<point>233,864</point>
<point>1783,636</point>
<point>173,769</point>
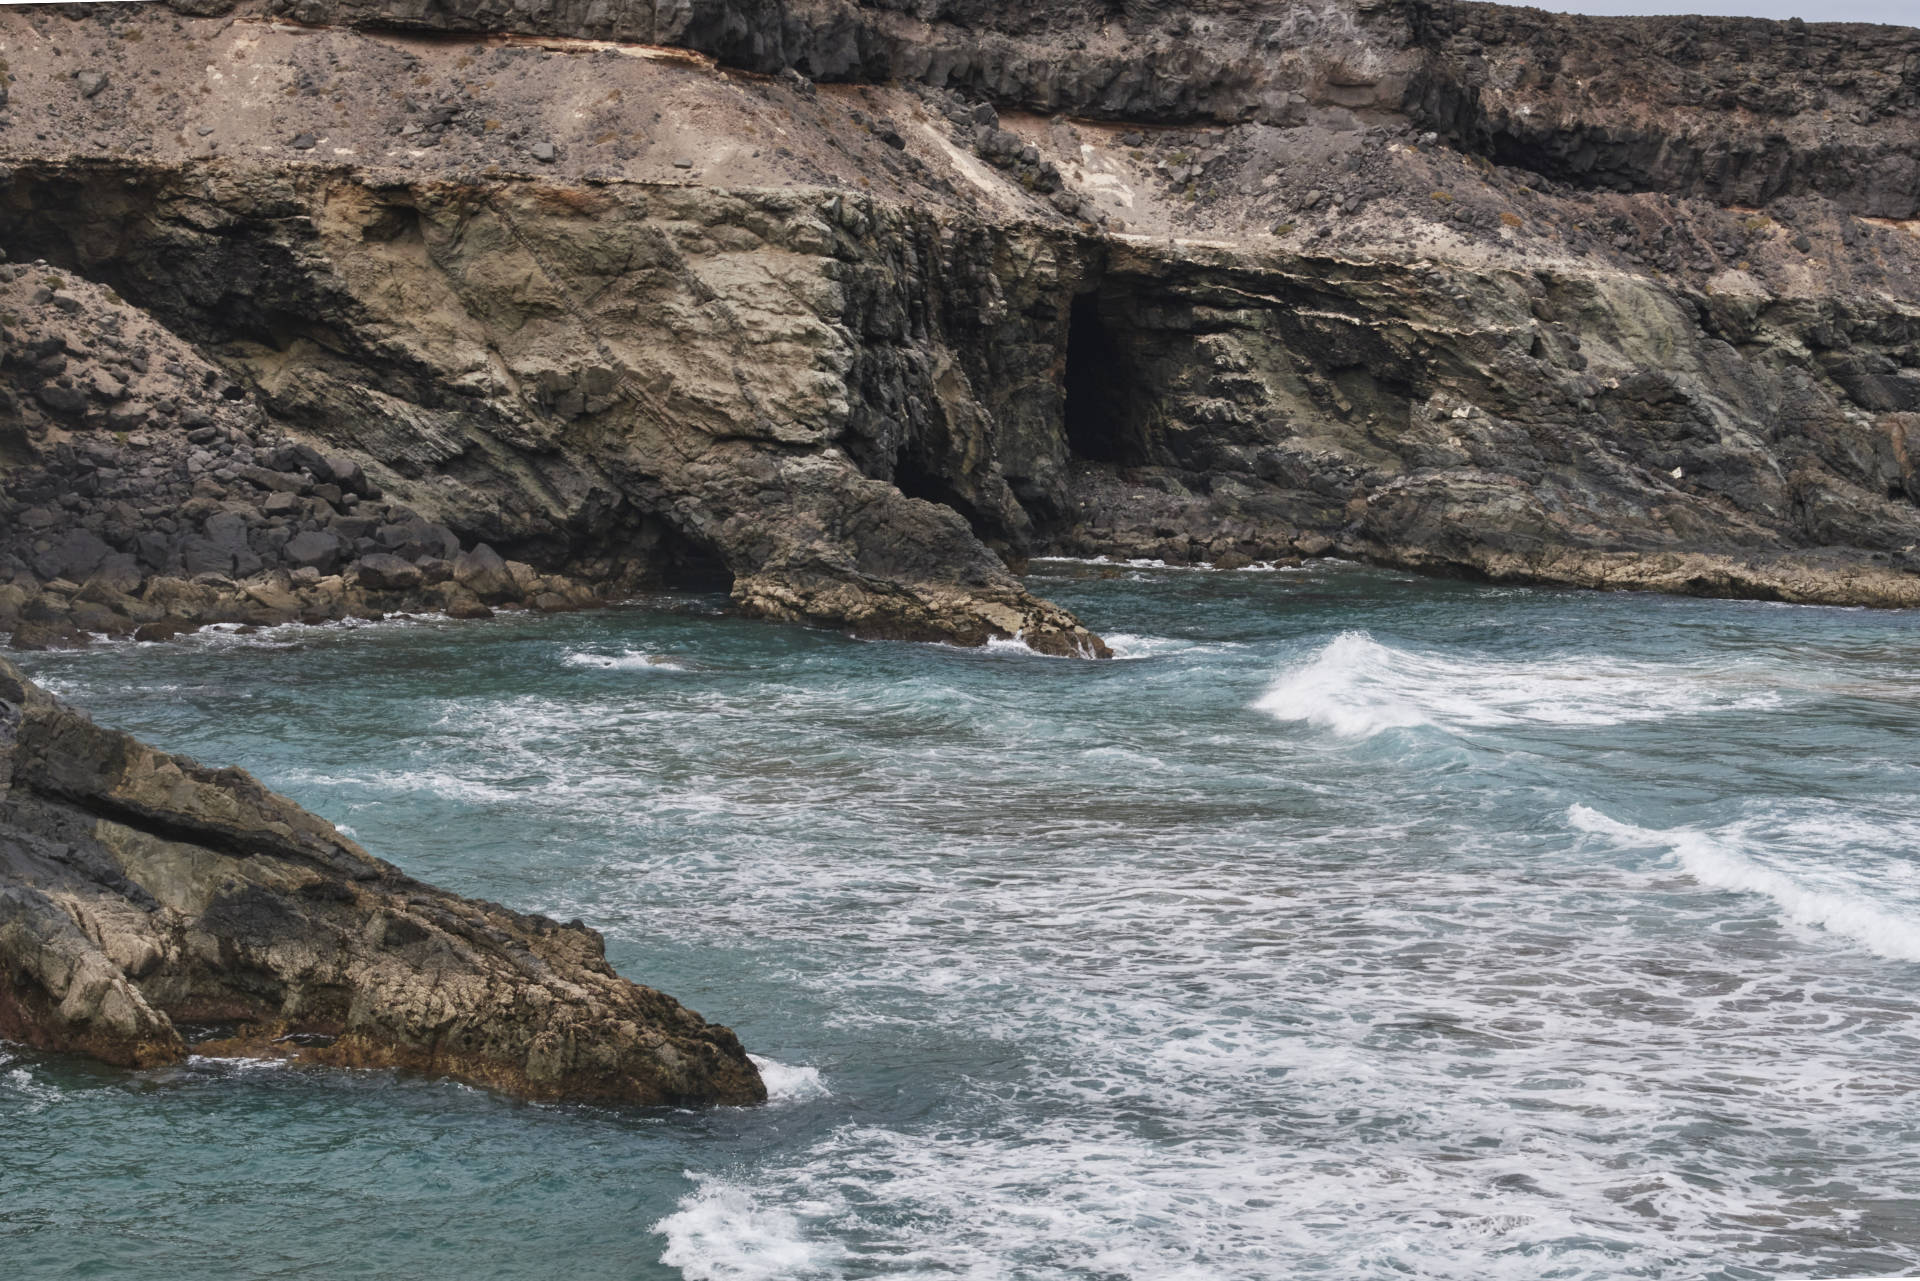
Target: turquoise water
<point>1352,926</point>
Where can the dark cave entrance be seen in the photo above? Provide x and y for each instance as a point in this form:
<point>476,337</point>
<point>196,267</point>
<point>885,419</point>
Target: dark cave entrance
<point>685,562</point>
<point>1099,415</point>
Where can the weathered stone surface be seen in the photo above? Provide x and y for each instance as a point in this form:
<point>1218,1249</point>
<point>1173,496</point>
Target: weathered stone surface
<point>1335,299</point>
<point>384,572</point>
<point>139,889</point>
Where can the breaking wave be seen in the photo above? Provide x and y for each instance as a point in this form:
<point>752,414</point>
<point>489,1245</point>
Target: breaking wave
<point>1356,687</point>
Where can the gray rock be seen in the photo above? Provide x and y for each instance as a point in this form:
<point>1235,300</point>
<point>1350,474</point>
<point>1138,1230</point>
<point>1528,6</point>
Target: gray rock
<point>316,549</point>
<point>67,402</point>
<point>544,152</point>
<point>384,572</point>
<point>483,572</point>
<point>90,82</point>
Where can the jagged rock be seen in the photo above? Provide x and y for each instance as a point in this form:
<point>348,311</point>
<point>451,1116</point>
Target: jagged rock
<point>90,82</point>
<point>139,890</point>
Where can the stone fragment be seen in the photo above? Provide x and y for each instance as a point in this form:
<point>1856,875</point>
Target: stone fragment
<point>90,82</point>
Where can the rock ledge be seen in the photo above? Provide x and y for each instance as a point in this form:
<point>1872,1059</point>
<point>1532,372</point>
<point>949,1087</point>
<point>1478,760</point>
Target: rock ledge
<point>141,892</point>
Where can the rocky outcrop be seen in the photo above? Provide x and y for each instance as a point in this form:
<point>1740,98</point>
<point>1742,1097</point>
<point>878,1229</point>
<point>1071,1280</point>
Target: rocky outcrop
<point>624,318</point>
<point>151,906</point>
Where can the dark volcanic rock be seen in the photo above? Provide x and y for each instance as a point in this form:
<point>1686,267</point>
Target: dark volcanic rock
<point>138,890</point>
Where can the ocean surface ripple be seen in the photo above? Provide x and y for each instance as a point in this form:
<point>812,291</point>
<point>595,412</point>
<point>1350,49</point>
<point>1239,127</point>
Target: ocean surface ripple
<point>1351,926</point>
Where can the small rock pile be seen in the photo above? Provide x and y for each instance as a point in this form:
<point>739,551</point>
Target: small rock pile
<point>976,125</point>
<point>143,493</point>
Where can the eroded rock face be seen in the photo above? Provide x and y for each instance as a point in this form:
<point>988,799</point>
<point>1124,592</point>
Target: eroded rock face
<point>855,351</point>
<point>140,892</point>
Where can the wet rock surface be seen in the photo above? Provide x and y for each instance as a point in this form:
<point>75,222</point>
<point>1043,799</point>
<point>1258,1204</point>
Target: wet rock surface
<point>146,899</point>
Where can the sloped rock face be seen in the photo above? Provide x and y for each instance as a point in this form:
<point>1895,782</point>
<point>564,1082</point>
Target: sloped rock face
<point>140,892</point>
<point>1737,110</point>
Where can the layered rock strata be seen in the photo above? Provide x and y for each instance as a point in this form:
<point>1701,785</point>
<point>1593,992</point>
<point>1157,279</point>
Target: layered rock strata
<point>151,907</point>
<point>1303,279</point>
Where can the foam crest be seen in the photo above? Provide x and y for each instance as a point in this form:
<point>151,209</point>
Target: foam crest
<point>631,660</point>
<point>1726,860</point>
<point>1126,645</point>
<point>1356,687</point>
<point>788,1083</point>
<point>722,1232</point>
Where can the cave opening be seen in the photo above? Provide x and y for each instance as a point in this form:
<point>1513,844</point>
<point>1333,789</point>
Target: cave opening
<point>1096,383</point>
<point>680,560</point>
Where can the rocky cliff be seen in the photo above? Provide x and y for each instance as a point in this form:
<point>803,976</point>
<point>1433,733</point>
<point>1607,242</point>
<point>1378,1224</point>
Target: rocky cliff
<point>322,307</point>
<point>150,905</point>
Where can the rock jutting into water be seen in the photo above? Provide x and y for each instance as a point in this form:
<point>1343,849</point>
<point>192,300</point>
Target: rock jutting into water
<point>141,891</point>
<point>849,312</point>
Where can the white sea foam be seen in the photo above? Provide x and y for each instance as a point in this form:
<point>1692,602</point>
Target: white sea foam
<point>722,1232</point>
<point>1126,645</point>
<point>1356,687</point>
<point>1014,647</point>
<point>235,1063</point>
<point>37,1094</point>
<point>787,1083</point>
<point>1731,859</point>
<point>630,660</point>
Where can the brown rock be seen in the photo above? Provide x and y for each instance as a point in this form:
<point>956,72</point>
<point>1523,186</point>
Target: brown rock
<point>385,572</point>
<point>182,892</point>
<point>49,633</point>
<point>483,572</point>
<point>164,629</point>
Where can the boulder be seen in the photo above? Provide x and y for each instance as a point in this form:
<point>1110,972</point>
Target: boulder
<point>139,891</point>
<point>48,633</point>
<point>164,629</point>
<point>483,572</point>
<point>317,549</point>
<point>385,572</point>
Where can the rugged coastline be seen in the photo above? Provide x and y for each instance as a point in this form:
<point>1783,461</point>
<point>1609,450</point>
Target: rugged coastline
<point>340,315</point>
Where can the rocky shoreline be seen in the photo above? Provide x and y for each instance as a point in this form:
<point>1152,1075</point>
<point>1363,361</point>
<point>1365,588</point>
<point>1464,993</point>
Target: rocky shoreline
<point>143,894</point>
<point>539,310</point>
<point>324,309</point>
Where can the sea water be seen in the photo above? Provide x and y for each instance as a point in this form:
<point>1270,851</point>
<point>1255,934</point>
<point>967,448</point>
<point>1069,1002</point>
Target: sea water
<point>1350,926</point>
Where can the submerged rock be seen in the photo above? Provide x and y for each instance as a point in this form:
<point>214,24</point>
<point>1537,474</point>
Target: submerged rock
<point>140,891</point>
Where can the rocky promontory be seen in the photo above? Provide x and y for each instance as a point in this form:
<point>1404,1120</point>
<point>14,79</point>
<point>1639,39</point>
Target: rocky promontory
<point>151,907</point>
